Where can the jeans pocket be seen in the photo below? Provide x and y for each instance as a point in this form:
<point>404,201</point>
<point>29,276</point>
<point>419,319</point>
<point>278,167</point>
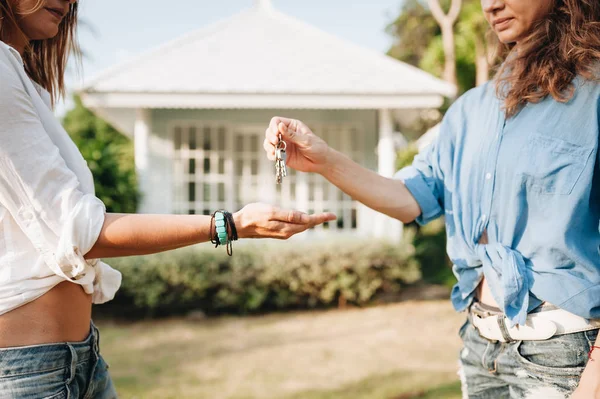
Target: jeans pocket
<point>47,385</point>
<point>102,384</point>
<point>562,355</point>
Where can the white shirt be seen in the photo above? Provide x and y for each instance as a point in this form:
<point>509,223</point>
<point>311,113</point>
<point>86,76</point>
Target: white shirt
<point>49,214</point>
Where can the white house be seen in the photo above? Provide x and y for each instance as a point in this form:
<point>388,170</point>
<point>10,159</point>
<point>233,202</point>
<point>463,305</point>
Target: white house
<point>197,109</point>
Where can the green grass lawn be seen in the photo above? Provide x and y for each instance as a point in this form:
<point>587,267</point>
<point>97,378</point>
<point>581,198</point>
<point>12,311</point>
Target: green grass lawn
<point>400,351</point>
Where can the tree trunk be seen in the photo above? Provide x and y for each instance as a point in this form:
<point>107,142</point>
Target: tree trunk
<point>449,53</point>
<point>446,23</point>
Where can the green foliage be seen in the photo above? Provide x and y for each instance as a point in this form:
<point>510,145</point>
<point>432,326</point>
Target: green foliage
<point>430,252</point>
<point>433,60</point>
<point>429,240</point>
<point>417,39</point>
<point>412,31</point>
<point>263,277</point>
<point>109,155</point>
<point>406,156</point>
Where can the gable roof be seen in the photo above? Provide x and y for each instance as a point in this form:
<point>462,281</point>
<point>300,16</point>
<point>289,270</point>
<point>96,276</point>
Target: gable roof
<point>261,52</point>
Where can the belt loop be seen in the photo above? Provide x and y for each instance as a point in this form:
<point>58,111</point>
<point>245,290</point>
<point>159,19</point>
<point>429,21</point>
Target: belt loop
<point>95,339</point>
<point>502,324</point>
<point>73,368</point>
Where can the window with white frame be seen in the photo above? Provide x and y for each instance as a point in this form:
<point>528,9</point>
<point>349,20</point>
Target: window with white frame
<point>220,166</point>
<point>201,171</point>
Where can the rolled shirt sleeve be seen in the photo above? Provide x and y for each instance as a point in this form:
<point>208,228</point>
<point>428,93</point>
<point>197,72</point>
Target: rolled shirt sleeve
<point>425,177</point>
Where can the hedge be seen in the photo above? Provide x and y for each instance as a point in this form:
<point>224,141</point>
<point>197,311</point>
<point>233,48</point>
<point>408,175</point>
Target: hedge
<point>262,277</point>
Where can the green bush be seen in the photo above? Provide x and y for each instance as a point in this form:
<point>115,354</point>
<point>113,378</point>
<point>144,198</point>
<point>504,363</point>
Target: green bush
<point>261,277</point>
<point>109,156</point>
<point>430,252</point>
<point>406,155</point>
<point>429,240</point>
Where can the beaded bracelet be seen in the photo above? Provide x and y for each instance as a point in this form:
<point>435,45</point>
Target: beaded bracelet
<point>223,230</point>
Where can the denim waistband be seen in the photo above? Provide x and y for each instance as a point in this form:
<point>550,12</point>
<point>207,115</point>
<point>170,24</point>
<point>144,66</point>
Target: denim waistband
<point>47,357</point>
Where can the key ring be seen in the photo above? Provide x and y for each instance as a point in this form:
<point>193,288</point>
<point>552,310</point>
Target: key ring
<point>280,142</point>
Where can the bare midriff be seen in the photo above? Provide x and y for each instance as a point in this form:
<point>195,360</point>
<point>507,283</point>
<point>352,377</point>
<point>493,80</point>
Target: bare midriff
<point>63,314</point>
<point>484,294</point>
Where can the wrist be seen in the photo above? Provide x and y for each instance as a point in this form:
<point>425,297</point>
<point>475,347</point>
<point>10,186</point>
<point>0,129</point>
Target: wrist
<point>330,162</point>
<point>239,225</point>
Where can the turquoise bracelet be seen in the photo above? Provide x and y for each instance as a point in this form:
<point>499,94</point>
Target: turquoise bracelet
<point>221,228</point>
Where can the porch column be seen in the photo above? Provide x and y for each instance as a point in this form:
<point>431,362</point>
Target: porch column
<point>385,147</point>
<point>386,227</point>
<point>141,139</point>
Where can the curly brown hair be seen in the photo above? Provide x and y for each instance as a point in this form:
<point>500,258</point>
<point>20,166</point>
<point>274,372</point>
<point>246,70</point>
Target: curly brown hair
<point>45,60</point>
<point>562,46</point>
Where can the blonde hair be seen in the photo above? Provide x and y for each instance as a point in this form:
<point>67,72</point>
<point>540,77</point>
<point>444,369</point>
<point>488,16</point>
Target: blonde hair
<point>45,60</point>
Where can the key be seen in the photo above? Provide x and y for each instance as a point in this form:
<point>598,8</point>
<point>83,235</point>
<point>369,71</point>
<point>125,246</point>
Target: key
<point>283,160</point>
<point>280,161</point>
<point>278,176</point>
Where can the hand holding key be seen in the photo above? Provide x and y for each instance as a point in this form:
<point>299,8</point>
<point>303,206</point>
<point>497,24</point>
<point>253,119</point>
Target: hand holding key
<point>303,150</point>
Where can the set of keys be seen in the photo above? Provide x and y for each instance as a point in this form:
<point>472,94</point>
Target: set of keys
<point>280,160</point>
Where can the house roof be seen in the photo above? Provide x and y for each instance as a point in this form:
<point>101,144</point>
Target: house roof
<point>262,57</point>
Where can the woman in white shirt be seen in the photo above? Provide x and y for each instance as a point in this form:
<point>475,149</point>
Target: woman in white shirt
<point>53,230</point>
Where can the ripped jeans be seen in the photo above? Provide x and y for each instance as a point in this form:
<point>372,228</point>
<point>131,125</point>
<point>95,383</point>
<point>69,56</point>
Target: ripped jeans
<point>523,369</point>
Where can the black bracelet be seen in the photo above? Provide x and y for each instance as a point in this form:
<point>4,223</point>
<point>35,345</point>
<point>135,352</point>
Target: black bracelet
<point>234,234</point>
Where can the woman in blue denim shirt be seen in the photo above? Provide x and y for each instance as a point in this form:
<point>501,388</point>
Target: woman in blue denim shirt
<point>516,173</point>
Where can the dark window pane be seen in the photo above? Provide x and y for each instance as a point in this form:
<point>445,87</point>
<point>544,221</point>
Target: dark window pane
<point>192,166</point>
<point>239,142</point>
<point>192,138</point>
<point>221,139</point>
<point>253,143</point>
<point>191,192</point>
<point>206,144</point>
<point>206,165</point>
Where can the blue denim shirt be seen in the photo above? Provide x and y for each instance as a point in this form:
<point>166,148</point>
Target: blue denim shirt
<point>533,182</point>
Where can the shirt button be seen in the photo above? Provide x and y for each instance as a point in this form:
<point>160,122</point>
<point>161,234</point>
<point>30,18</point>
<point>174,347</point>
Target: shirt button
<point>483,217</point>
<point>488,176</point>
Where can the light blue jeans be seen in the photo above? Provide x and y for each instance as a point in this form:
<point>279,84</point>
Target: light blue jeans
<point>548,369</point>
<point>56,371</point>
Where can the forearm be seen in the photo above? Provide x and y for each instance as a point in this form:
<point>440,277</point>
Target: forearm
<point>384,195</point>
<point>589,385</point>
<point>138,234</point>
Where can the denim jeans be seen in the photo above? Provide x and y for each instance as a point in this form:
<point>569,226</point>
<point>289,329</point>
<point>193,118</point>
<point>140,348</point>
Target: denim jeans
<point>523,369</point>
<point>56,371</point>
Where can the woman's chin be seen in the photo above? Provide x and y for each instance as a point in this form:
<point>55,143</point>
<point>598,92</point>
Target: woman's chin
<point>48,31</point>
<point>507,37</point>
